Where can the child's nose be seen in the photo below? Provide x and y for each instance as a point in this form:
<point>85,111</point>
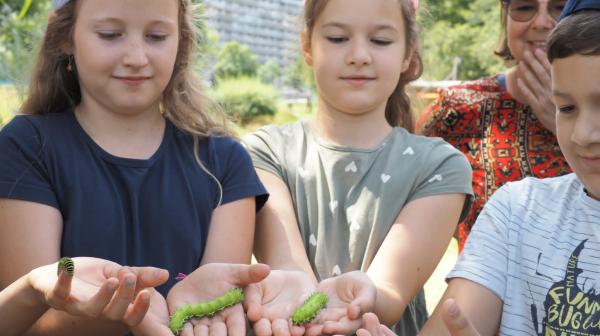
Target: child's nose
<point>135,55</point>
<point>587,128</point>
<point>359,54</point>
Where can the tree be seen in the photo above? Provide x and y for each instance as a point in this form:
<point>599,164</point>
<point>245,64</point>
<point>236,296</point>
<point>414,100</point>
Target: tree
<point>269,73</point>
<point>468,29</point>
<point>300,76</point>
<point>22,24</point>
<point>235,60</point>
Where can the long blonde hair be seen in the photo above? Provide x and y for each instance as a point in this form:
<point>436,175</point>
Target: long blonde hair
<point>397,110</point>
<point>53,88</point>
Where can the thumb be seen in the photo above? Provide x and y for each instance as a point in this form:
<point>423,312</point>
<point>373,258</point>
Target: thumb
<point>248,274</point>
<point>151,276</point>
<point>364,300</point>
<point>253,302</point>
<point>456,323</point>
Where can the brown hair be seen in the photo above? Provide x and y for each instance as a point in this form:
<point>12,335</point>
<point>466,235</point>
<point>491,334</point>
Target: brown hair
<point>53,88</point>
<point>578,33</point>
<point>503,50</point>
<point>397,111</point>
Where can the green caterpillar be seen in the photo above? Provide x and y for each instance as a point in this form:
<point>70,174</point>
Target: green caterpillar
<point>310,308</point>
<point>230,298</point>
<point>66,264</point>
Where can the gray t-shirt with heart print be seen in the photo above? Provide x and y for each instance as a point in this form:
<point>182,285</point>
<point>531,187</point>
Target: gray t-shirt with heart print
<point>346,199</point>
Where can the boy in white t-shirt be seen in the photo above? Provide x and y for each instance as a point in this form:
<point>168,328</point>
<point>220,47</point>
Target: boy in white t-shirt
<point>531,265</point>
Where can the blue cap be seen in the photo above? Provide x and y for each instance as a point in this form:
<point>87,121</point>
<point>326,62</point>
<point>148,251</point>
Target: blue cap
<point>574,6</point>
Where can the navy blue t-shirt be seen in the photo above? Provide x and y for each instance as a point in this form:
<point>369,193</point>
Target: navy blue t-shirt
<point>153,212</point>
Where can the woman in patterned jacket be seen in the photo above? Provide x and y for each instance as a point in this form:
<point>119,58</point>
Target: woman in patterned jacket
<point>504,124</point>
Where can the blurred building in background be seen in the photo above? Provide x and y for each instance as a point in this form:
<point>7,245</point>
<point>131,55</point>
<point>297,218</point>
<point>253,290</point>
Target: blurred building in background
<point>270,28</point>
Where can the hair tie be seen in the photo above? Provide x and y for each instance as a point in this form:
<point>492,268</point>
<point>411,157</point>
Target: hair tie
<point>58,4</point>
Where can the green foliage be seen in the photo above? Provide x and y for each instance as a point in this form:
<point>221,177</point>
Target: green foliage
<point>468,29</point>
<point>235,60</point>
<point>22,23</point>
<point>269,73</point>
<point>9,103</point>
<point>246,99</point>
<point>300,76</point>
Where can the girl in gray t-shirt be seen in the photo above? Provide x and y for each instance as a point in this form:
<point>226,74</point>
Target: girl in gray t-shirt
<point>359,209</point>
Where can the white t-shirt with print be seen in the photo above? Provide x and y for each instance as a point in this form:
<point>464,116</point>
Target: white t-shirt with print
<point>536,245</point>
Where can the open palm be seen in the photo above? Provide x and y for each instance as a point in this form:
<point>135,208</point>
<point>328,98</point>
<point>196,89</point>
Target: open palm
<point>272,301</point>
<point>209,282</point>
<point>350,295</point>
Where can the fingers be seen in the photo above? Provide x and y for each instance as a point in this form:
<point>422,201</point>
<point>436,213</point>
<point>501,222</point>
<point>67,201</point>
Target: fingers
<point>200,330</point>
<point>123,297</point>
<point>146,276</point>
<point>364,301</point>
<point>370,326</point>
<point>343,326</point>
<point>248,274</point>
<point>220,329</point>
<point>296,330</point>
<point>456,323</point>
<point>62,288</point>
<point>235,325</point>
<point>135,314</point>
<point>537,65</point>
<point>99,301</point>
<point>150,276</point>
<point>280,327</point>
<point>262,327</point>
<point>253,302</point>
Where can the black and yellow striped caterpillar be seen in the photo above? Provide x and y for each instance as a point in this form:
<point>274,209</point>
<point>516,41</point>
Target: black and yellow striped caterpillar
<point>66,264</point>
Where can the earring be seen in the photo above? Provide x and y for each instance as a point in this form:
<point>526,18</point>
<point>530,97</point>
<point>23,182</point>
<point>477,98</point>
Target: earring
<point>70,64</point>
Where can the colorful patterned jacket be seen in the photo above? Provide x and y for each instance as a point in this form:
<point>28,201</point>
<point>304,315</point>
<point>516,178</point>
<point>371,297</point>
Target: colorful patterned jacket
<point>502,138</point>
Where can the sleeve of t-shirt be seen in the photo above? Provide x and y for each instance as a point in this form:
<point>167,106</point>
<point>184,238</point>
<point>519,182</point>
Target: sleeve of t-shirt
<point>484,259</point>
<point>445,170</point>
<point>238,177</point>
<point>264,147</point>
<point>23,170</point>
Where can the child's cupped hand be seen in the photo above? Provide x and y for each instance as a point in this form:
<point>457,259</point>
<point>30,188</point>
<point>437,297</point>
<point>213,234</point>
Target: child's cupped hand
<point>350,296</point>
<point>271,302</point>
<point>211,281</point>
<point>99,289</point>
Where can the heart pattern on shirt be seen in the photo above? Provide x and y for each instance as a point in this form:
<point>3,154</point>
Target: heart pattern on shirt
<point>351,167</point>
<point>303,172</point>
<point>385,178</point>
<point>312,240</point>
<point>333,205</point>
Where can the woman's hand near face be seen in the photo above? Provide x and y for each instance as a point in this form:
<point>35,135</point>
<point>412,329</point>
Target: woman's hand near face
<point>533,80</point>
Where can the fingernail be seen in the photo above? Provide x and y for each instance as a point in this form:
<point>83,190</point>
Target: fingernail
<point>129,282</point>
<point>112,286</point>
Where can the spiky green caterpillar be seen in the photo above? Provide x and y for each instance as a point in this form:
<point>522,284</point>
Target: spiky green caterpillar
<point>232,297</point>
<point>66,264</point>
<point>310,308</point>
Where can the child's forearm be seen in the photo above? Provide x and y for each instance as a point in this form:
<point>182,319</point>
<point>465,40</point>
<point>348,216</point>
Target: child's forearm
<point>390,305</point>
<point>20,307</point>
<point>55,323</point>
